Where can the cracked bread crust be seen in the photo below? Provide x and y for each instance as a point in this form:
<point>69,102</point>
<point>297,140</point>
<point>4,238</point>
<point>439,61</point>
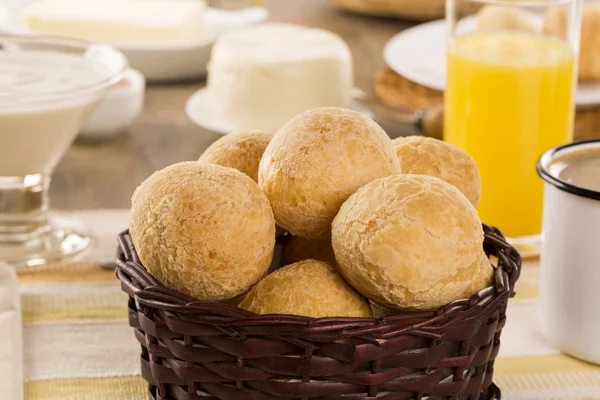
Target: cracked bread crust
<point>239,150</point>
<point>204,230</point>
<point>483,278</point>
<point>308,288</point>
<point>316,161</point>
<point>408,242</point>
<point>427,156</point>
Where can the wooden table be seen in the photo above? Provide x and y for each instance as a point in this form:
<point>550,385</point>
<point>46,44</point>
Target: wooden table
<point>105,175</point>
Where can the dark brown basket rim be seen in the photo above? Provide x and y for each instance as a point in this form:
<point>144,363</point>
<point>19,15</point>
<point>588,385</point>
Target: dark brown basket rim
<point>153,295</point>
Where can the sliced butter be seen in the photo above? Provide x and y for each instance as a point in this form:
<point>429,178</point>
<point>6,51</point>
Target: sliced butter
<point>148,22</point>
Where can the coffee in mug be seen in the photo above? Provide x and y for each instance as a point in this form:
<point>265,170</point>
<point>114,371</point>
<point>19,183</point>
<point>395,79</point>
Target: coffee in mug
<point>580,168</point>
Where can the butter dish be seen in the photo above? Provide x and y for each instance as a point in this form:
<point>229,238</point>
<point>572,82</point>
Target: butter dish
<point>164,40</point>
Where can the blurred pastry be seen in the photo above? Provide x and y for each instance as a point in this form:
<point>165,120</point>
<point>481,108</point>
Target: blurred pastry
<point>589,55</point>
<point>498,18</point>
<point>410,10</point>
<point>309,288</point>
<point>297,248</point>
<point>408,242</point>
<point>427,156</point>
<point>239,150</point>
<point>316,161</point>
<point>261,77</point>
<point>204,230</point>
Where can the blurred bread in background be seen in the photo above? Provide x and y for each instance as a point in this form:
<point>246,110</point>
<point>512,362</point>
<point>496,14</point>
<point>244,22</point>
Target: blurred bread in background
<point>416,10</point>
<point>494,18</point>
<point>589,59</point>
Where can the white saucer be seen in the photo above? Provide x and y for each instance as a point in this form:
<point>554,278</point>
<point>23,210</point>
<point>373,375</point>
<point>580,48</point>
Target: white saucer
<point>419,54</point>
<point>198,111</point>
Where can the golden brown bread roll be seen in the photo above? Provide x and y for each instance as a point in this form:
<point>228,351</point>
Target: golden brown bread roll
<point>239,150</point>
<point>318,159</point>
<point>483,277</point>
<point>427,156</point>
<point>297,248</point>
<point>555,23</point>
<point>204,230</point>
<point>309,288</point>
<point>408,242</point>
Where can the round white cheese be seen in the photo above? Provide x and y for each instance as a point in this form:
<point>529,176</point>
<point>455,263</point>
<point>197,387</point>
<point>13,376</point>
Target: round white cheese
<point>262,76</point>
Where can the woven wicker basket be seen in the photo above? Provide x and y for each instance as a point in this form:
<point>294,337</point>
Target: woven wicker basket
<point>417,10</point>
<point>198,350</point>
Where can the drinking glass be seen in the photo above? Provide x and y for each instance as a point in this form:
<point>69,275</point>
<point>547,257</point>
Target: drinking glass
<point>40,116</point>
<point>510,91</point>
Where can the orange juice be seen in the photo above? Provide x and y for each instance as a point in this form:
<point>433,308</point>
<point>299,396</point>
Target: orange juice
<point>509,98</point>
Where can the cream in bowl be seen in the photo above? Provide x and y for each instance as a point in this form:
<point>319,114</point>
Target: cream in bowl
<point>570,274</point>
<point>49,87</point>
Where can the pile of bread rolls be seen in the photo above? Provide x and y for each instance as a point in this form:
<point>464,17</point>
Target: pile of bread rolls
<point>371,225</point>
<point>552,22</point>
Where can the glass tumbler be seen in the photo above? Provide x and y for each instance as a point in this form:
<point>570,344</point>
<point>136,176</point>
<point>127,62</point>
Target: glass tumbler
<point>48,86</point>
<point>510,96</point>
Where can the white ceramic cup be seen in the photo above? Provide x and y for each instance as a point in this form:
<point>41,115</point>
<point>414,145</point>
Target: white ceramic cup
<point>570,261</point>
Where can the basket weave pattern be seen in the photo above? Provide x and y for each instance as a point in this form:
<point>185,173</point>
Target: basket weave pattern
<point>199,350</point>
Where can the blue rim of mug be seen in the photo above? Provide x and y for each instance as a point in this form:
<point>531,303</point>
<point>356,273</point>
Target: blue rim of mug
<point>547,158</point>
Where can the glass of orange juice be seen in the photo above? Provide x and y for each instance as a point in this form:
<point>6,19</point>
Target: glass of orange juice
<point>510,96</point>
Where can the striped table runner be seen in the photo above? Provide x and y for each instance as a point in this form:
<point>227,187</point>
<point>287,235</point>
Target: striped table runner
<point>78,345</point>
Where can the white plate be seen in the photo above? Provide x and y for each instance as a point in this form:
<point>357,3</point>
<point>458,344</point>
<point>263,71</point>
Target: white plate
<point>179,62</point>
<point>198,111</point>
<point>419,54</point>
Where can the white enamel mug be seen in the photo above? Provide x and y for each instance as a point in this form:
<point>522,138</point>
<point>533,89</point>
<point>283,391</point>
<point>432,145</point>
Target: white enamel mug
<point>570,261</point>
